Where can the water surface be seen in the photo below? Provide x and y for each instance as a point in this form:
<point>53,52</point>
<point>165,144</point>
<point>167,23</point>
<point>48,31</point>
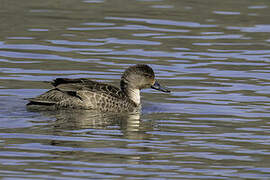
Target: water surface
<point>213,55</point>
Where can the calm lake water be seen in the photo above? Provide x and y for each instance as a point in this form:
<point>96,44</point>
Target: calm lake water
<point>214,56</point>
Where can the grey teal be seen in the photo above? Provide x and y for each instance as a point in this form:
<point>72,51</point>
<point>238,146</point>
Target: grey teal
<point>84,93</point>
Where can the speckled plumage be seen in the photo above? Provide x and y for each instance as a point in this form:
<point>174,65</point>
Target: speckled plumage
<point>84,93</point>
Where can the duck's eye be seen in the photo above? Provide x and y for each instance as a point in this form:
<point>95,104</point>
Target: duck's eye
<point>148,75</point>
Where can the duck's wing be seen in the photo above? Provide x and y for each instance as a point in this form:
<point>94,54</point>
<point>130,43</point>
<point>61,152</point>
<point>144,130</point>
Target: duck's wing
<point>61,81</point>
<point>74,86</point>
<point>74,91</point>
<point>50,97</point>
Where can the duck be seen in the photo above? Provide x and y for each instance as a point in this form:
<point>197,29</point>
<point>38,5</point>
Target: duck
<point>84,93</point>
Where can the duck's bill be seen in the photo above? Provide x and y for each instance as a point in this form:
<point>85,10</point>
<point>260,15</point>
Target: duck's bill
<point>157,86</point>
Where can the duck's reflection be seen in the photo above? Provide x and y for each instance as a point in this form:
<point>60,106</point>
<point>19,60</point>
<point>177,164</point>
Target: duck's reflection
<point>90,125</point>
<point>130,124</point>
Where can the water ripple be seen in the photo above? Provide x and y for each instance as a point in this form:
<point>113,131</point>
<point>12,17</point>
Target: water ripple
<point>214,57</point>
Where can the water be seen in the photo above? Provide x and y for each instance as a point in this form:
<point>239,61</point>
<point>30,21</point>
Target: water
<point>213,55</point>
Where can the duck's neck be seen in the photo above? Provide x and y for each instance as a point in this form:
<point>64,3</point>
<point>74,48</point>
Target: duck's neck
<point>131,92</point>
<point>134,95</point>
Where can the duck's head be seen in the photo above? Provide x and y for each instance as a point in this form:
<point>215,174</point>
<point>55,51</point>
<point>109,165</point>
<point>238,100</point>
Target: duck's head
<point>139,77</point>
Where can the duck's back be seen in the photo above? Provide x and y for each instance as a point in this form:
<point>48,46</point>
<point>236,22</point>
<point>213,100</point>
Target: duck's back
<point>83,94</point>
